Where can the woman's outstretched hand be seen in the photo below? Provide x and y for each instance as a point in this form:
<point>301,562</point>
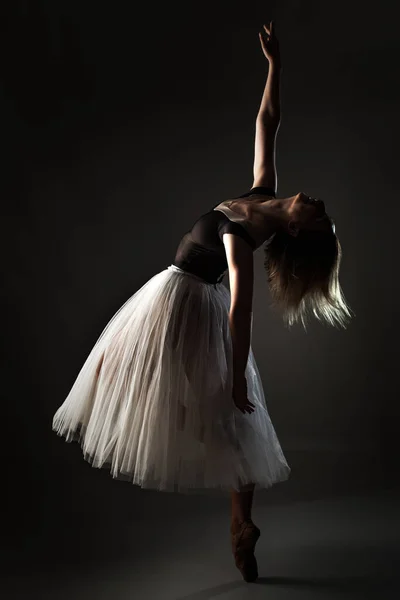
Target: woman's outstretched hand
<point>270,44</point>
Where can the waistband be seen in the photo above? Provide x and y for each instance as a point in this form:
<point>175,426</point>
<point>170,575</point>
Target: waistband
<point>179,270</point>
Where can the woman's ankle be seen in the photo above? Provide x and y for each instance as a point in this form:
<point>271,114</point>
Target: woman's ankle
<point>237,521</point>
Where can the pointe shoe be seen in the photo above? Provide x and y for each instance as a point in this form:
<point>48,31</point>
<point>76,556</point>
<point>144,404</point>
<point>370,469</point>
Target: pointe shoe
<point>244,538</point>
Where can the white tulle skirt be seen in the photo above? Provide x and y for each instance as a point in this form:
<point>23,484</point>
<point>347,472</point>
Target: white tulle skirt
<point>153,400</point>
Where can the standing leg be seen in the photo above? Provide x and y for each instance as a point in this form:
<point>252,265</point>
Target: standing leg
<point>241,503</point>
<point>244,534</point>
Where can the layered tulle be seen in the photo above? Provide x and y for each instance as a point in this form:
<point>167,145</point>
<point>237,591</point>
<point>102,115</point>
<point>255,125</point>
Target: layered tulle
<point>153,400</point>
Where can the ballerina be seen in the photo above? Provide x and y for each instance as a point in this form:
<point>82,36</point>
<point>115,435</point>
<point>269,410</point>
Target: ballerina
<point>170,397</point>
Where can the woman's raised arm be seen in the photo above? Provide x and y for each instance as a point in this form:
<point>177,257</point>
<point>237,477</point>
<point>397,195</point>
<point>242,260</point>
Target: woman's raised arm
<point>269,114</point>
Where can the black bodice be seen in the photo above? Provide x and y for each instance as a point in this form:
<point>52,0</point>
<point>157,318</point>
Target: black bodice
<point>201,250</point>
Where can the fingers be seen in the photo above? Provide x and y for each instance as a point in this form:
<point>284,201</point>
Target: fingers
<point>271,29</point>
<point>267,34</point>
<point>246,409</point>
<point>249,408</point>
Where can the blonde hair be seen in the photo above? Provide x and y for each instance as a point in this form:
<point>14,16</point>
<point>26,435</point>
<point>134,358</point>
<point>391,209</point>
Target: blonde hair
<point>303,277</point>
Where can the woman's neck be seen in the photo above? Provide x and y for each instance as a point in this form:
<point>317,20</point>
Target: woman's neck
<point>267,216</point>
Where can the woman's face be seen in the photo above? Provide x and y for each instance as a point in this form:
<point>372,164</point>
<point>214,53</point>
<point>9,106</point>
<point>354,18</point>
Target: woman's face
<point>308,213</point>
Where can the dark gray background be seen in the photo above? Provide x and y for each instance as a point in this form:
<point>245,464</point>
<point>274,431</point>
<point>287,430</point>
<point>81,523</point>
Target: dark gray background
<point>121,124</point>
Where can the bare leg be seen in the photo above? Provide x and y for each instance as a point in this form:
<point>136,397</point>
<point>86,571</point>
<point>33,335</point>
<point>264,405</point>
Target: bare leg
<point>244,534</point>
<point>242,502</point>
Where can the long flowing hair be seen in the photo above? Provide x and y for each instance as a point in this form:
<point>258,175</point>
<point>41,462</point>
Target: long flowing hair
<point>303,277</point>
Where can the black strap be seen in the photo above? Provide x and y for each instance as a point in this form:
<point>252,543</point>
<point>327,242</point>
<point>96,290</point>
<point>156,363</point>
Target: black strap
<point>259,190</point>
<point>255,190</point>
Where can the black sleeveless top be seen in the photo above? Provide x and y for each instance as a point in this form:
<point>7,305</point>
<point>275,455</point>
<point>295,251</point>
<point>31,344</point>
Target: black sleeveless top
<point>201,250</point>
